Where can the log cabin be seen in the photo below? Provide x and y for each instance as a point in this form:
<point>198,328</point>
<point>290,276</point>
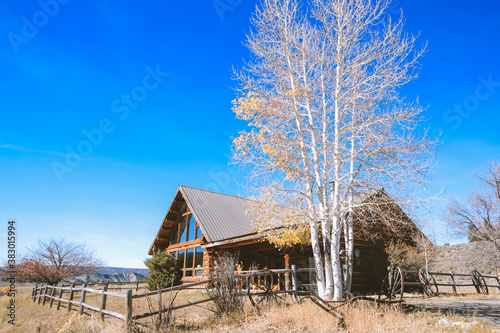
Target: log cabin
<point>200,225</point>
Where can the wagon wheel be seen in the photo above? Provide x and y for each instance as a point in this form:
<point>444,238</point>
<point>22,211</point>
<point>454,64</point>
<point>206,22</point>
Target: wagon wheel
<point>479,283</point>
<point>393,284</point>
<point>262,294</point>
<point>428,283</point>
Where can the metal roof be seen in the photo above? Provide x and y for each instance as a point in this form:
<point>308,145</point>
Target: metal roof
<point>221,216</point>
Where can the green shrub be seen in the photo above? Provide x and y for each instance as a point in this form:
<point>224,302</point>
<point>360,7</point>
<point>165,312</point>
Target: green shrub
<point>163,269</point>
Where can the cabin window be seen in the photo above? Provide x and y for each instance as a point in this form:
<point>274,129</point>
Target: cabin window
<point>357,258</point>
<point>198,260</point>
<point>173,239</point>
<point>187,230</point>
<point>182,230</point>
<point>181,257</point>
<point>198,231</point>
<point>190,261</point>
<point>190,258</point>
<point>192,229</point>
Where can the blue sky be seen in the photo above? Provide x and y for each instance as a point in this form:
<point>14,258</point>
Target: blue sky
<point>149,86</point>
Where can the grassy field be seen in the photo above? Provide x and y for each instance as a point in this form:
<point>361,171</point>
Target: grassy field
<point>288,317</point>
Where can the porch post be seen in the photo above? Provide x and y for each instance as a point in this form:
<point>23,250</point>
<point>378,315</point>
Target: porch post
<point>287,275</point>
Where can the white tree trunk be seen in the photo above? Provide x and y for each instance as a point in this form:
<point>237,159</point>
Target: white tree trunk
<point>337,264</point>
<point>349,246</point>
<point>318,260</point>
<point>349,229</point>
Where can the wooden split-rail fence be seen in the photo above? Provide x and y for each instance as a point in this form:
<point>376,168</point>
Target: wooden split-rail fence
<point>276,281</point>
<point>46,293</point>
<point>397,281</point>
<point>480,282</point>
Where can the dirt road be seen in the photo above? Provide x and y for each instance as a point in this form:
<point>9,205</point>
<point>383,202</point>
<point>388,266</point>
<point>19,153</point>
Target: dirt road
<point>486,309</point>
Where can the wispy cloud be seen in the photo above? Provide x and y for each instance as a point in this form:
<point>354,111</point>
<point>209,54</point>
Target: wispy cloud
<point>31,150</point>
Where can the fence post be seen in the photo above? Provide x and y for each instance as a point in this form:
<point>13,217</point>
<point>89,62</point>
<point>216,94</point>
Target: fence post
<point>40,295</point>
<point>60,297</point>
<point>137,286</point>
<point>159,306</point>
<point>294,282</point>
<point>52,292</point>
<point>82,299</point>
<point>453,284</point>
<point>390,273</point>
<point>103,301</point>
<point>44,293</point>
<point>71,293</point>
<point>288,280</point>
<point>128,313</point>
<point>34,293</point>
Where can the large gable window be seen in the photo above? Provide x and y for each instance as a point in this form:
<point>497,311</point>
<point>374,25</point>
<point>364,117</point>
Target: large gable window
<point>185,242</point>
<point>182,230</point>
<point>186,231</point>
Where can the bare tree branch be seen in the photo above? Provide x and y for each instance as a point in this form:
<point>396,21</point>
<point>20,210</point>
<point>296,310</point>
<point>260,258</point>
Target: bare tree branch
<point>478,215</point>
<point>53,260</point>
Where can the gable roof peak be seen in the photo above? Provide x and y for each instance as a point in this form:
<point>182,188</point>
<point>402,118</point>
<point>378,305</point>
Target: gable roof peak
<point>213,192</point>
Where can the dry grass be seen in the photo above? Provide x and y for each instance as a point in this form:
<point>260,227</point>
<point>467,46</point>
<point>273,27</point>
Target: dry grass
<point>31,317</point>
<point>306,317</point>
<point>365,317</point>
<point>361,317</point>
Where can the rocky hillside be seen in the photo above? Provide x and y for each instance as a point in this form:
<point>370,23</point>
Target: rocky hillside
<point>109,270</point>
<point>112,277</point>
<point>463,258</point>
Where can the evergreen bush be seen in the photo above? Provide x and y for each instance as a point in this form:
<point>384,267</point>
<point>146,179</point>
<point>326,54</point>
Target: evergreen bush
<point>163,269</point>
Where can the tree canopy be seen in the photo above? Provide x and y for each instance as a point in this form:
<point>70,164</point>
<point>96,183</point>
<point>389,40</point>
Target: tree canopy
<point>320,95</point>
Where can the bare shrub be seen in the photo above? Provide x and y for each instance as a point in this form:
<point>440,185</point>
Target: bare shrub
<point>406,256</point>
<point>163,321</point>
<point>224,289</point>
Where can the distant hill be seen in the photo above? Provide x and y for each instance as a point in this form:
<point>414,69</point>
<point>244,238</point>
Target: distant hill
<point>114,274</point>
<point>112,277</point>
<point>110,270</point>
<point>463,258</point>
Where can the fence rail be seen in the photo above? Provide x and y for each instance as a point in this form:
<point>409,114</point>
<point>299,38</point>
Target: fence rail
<point>115,285</point>
<point>46,293</point>
<point>466,283</point>
<point>41,295</point>
<point>490,281</point>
